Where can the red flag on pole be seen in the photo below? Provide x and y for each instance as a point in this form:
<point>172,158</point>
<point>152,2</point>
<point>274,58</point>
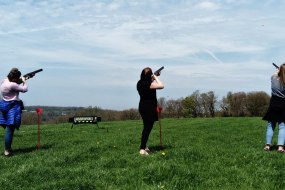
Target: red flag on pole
<point>159,109</point>
<point>39,111</point>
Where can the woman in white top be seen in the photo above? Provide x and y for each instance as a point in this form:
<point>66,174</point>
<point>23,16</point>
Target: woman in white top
<point>11,106</point>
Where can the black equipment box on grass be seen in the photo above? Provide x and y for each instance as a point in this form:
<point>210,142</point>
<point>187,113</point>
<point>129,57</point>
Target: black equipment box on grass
<point>84,120</point>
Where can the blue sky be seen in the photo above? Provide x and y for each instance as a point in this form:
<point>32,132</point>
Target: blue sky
<point>92,52</point>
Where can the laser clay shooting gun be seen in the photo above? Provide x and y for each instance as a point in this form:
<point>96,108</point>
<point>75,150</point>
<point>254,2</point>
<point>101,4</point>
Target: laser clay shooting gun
<point>31,74</point>
<point>156,73</point>
<point>275,65</point>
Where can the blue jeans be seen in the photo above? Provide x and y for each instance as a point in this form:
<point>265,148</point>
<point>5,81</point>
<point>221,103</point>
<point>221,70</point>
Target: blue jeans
<point>9,136</point>
<point>270,131</point>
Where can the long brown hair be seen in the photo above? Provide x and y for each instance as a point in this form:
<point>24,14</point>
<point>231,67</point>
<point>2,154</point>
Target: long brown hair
<point>281,74</point>
<point>146,74</point>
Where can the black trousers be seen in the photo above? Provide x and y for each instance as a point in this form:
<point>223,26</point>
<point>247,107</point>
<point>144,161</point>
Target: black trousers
<point>147,127</point>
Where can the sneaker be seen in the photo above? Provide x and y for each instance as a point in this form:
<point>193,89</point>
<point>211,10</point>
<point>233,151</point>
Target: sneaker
<point>267,147</point>
<point>147,149</point>
<point>143,152</point>
<point>7,153</point>
<point>280,149</point>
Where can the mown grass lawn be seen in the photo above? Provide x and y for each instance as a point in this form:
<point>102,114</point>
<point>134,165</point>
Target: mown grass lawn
<point>202,153</point>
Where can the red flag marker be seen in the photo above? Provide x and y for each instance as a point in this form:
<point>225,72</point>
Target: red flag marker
<point>39,111</point>
<point>159,109</point>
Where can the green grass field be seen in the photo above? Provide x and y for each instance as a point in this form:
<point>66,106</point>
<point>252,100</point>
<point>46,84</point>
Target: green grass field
<point>203,153</point>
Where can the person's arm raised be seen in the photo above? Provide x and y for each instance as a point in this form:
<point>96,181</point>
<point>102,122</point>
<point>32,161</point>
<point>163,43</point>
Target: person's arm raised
<point>156,84</point>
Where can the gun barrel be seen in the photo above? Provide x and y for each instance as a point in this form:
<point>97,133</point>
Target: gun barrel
<point>158,71</point>
<point>32,73</point>
<point>275,65</point>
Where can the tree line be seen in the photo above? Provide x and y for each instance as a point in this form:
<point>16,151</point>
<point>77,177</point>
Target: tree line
<point>197,104</point>
<point>234,104</point>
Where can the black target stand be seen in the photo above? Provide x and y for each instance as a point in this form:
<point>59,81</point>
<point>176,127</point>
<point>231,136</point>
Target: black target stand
<point>84,120</point>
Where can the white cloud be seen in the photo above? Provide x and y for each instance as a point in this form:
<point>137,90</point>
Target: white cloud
<point>114,6</point>
<point>207,5</point>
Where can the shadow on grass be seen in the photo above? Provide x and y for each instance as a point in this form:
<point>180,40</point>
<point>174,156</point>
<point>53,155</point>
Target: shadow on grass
<point>159,148</point>
<point>274,147</point>
<point>31,149</point>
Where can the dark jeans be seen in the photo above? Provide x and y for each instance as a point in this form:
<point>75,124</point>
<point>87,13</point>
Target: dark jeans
<point>147,127</point>
<point>9,136</point>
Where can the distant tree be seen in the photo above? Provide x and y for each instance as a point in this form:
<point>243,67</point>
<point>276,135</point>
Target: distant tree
<point>130,114</point>
<point>169,108</point>
<point>179,107</point>
<point>29,118</point>
<point>244,104</point>
<point>257,103</point>
<point>237,103</point>
<point>200,105</point>
<point>198,110</point>
<point>162,102</point>
<point>174,108</point>
<point>211,102</point>
<point>188,105</point>
<point>225,107</point>
<point>60,119</point>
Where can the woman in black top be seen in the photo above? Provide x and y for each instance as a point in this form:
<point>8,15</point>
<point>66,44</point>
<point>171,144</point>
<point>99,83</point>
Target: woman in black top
<point>146,87</point>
